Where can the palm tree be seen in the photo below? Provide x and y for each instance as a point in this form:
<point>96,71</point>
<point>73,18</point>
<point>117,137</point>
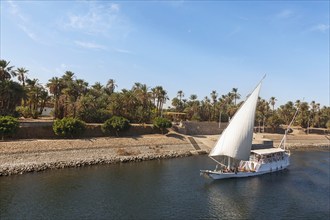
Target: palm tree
<point>68,76</point>
<point>236,95</point>
<point>44,98</point>
<point>159,94</point>
<point>55,86</point>
<point>33,90</point>
<point>73,91</point>
<point>110,86</point>
<point>180,95</point>
<point>21,75</point>
<point>6,71</point>
<point>206,109</point>
<point>286,112</point>
<point>272,101</point>
<point>297,103</point>
<point>214,96</point>
<point>176,103</point>
<point>97,86</point>
<point>11,94</point>
<point>142,96</point>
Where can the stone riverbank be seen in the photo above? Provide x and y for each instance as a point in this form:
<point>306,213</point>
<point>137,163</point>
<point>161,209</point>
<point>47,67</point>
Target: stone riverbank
<point>21,156</point>
<point>18,157</point>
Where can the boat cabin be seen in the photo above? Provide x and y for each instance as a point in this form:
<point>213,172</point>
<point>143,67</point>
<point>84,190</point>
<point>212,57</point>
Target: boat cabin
<point>267,155</point>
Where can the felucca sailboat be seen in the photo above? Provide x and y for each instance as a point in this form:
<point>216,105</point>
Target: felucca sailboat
<point>233,152</point>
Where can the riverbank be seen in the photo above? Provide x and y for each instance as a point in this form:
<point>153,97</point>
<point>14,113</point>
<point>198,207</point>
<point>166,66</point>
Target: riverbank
<point>21,156</point>
<point>17,157</point>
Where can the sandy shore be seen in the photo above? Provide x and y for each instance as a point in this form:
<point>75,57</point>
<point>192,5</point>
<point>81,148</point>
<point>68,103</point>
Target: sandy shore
<point>17,157</point>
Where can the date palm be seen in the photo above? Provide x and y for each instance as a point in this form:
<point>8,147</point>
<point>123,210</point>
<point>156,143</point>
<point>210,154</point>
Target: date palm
<point>6,71</point>
<point>272,101</point>
<point>21,75</point>
<point>110,87</point>
<point>159,94</point>
<point>142,96</point>
<point>55,86</point>
<point>11,94</point>
<point>235,94</point>
<point>33,91</point>
<point>214,96</point>
<point>180,95</point>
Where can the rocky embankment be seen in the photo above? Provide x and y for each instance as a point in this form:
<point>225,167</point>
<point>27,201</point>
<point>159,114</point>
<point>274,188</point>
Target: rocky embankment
<point>17,157</point>
<point>21,156</point>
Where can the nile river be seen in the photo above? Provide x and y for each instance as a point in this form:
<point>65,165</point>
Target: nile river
<point>169,189</point>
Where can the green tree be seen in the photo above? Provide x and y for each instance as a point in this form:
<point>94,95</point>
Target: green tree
<point>303,115</point>
<point>11,94</point>
<point>6,71</point>
<point>55,86</point>
<point>94,105</point>
<point>274,121</point>
<point>159,94</point>
<point>21,75</point>
<point>115,124</point>
<point>8,126</point>
<point>214,96</point>
<point>235,95</point>
<point>272,101</point>
<point>286,112</point>
<point>162,123</point>
<point>180,95</point>
<point>69,127</point>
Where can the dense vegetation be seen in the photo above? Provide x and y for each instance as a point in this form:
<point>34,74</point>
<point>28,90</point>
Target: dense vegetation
<point>162,123</point>
<point>69,127</point>
<point>115,124</point>
<point>74,97</point>
<point>8,126</point>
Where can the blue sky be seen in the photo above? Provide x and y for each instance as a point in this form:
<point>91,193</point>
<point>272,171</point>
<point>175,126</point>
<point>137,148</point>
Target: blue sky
<point>193,46</point>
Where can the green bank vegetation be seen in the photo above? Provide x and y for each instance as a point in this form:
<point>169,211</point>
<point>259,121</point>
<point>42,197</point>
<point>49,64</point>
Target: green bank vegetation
<point>73,97</point>
<point>69,127</point>
<point>115,124</point>
<point>162,123</point>
<point>8,126</point>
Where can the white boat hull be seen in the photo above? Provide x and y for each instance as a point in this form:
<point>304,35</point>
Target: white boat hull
<point>263,169</point>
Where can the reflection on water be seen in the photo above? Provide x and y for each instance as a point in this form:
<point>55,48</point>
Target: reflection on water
<point>169,189</point>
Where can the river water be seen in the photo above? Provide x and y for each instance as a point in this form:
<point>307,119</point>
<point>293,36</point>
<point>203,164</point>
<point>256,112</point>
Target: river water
<point>169,189</point>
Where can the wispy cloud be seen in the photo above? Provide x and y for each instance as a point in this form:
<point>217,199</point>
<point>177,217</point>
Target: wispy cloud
<point>14,10</point>
<point>123,51</point>
<point>321,27</point>
<point>286,13</point>
<point>28,32</point>
<point>98,19</point>
<point>90,45</point>
<point>234,32</point>
<point>22,20</point>
<point>65,67</point>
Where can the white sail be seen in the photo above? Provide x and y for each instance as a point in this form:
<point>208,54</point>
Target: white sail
<point>236,140</point>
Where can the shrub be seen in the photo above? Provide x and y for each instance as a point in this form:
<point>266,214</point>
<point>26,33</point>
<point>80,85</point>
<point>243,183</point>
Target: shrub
<point>8,126</point>
<point>116,124</point>
<point>94,116</point>
<point>69,127</point>
<point>328,124</point>
<point>24,111</point>
<point>162,124</point>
